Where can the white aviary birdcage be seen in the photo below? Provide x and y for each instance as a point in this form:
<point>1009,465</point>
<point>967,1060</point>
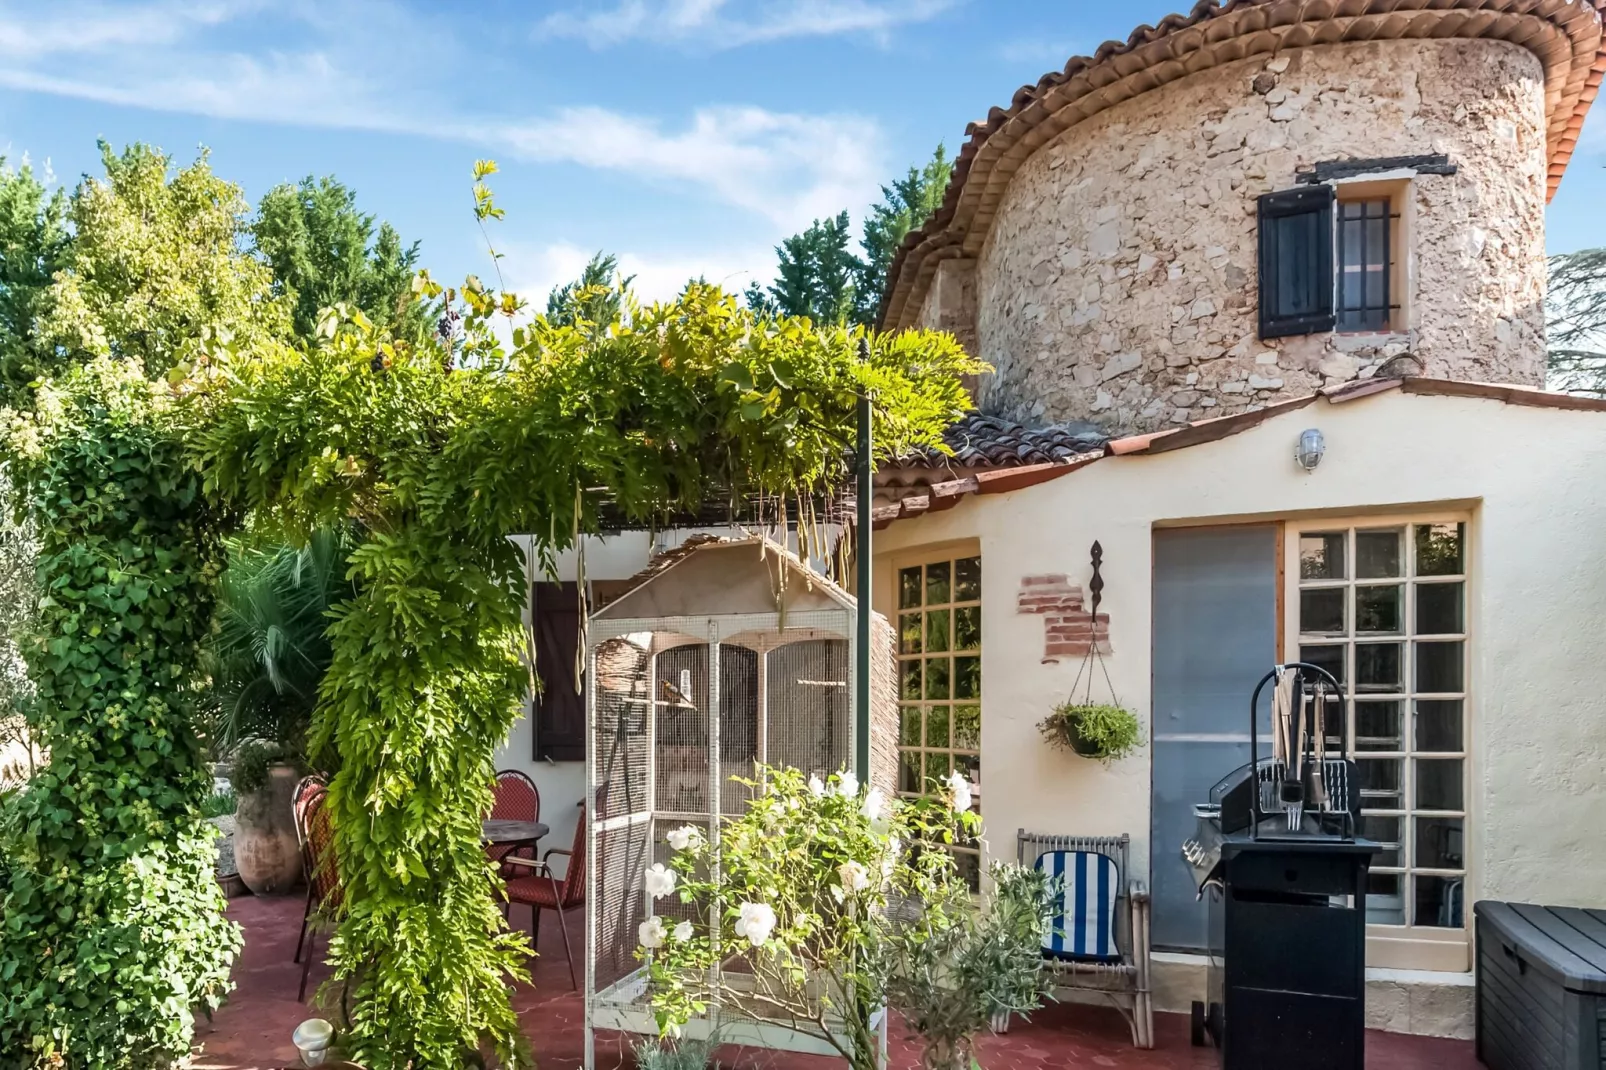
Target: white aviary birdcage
<point>729,653</point>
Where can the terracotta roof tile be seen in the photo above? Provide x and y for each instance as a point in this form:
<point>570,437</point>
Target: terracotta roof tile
<point>1222,31</point>
<point>982,441</point>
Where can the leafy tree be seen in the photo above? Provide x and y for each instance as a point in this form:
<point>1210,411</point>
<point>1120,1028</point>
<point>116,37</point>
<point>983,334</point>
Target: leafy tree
<point>817,275</point>
<point>156,272</point>
<point>33,246</point>
<point>1576,307</point>
<point>905,205</point>
<point>322,251</point>
<point>596,297</point>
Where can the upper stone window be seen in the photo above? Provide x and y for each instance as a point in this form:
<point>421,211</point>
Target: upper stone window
<point>1333,257</point>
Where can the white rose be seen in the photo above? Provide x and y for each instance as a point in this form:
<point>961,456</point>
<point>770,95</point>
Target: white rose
<point>875,804</point>
<point>855,878</point>
<point>685,836</point>
<point>755,922</point>
<point>960,787</point>
<point>682,932</point>
<point>816,787</point>
<point>660,881</point>
<point>847,784</point>
<point>651,933</point>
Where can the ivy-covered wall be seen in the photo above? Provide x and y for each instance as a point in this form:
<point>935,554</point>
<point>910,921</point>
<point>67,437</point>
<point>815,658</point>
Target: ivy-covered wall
<point>113,927</point>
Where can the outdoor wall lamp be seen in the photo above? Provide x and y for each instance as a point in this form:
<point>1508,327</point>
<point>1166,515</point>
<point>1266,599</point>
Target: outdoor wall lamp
<point>1310,449</point>
<point>312,1039</point>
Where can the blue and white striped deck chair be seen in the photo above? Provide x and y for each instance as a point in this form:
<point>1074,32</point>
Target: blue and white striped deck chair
<point>1100,941</point>
<point>1087,887</point>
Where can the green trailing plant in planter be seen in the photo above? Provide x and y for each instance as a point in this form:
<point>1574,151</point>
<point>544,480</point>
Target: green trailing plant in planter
<point>1093,730</point>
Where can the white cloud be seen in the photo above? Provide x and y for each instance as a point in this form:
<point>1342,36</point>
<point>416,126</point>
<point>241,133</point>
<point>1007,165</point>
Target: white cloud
<point>93,27</point>
<point>789,168</point>
<point>533,270</point>
<point>167,56</point>
<point>721,24</point>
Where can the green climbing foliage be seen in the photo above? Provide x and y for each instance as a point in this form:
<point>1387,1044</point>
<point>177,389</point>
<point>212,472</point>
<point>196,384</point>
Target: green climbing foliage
<point>113,929</point>
<point>439,450</point>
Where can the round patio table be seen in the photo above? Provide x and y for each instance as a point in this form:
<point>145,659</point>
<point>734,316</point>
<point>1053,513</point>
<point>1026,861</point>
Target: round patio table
<point>501,832</point>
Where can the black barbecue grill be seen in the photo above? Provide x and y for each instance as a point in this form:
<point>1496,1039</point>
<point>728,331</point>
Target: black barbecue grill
<point>1277,854</point>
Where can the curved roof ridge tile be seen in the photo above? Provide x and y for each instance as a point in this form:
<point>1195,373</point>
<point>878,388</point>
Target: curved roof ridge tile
<point>1569,93</point>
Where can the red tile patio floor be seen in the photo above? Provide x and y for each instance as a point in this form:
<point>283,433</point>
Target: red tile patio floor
<point>252,1031</point>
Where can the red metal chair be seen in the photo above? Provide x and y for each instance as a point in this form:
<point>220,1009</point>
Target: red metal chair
<point>517,799</point>
<point>324,898</point>
<point>298,809</point>
<point>539,889</point>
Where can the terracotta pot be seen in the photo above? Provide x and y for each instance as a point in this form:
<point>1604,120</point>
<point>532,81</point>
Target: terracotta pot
<point>265,849</point>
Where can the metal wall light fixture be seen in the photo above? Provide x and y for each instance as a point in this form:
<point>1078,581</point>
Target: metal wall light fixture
<point>1311,447</point>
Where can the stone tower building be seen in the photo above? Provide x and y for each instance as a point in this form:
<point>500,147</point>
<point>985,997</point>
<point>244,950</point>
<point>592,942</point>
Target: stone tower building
<point>1257,200</point>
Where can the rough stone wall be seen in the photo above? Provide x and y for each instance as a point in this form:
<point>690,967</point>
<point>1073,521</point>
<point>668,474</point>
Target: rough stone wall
<point>950,303</point>
<point>1118,283</point>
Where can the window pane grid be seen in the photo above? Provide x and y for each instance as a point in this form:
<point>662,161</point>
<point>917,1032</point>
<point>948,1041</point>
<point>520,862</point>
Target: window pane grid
<point>939,681</point>
<point>1389,619</point>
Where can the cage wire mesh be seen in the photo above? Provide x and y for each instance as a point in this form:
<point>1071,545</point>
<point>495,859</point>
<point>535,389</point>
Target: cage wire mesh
<point>667,744</point>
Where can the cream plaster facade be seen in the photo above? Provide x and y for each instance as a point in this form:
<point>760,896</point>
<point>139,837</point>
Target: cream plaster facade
<point>1536,780</point>
<point>1118,279</point>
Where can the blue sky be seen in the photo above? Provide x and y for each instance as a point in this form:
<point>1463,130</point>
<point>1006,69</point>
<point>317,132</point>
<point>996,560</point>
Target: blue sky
<point>688,136</point>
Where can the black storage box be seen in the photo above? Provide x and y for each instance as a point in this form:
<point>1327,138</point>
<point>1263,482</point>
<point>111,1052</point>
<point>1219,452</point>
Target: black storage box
<point>1541,987</point>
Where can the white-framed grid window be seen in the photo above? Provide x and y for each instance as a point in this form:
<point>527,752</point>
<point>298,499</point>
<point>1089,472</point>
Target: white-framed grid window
<point>939,680</point>
<point>1383,605</point>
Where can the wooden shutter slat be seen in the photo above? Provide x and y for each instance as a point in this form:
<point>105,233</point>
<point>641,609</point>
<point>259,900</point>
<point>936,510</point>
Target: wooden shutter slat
<point>560,720</point>
<point>1296,262</point>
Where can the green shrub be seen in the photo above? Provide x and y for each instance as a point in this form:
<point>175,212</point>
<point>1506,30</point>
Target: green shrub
<point>959,961</point>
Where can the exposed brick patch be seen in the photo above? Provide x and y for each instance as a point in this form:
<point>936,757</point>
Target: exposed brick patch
<point>1069,630</point>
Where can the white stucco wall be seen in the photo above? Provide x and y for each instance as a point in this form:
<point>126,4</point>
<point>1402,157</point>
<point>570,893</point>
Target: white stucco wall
<point>1534,480</point>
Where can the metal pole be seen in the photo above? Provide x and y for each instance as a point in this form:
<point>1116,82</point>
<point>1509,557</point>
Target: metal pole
<point>862,559</point>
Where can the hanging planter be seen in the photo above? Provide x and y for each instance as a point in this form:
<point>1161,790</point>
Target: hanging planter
<point>1104,731</point>
<point>1101,731</point>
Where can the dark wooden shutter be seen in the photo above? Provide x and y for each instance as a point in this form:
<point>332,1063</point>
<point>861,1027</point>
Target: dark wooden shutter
<point>560,714</point>
<point>1296,262</point>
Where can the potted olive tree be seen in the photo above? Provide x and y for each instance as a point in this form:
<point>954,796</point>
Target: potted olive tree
<point>269,653</point>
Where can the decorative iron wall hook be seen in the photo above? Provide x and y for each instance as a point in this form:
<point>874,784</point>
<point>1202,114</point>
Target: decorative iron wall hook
<point>1096,584</point>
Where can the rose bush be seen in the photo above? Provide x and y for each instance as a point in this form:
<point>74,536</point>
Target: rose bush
<point>809,892</point>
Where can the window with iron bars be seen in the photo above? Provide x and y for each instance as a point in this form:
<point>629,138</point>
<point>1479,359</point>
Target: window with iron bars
<point>1366,264</point>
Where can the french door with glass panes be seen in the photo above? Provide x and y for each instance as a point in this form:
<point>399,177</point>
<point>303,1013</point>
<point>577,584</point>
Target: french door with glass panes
<point>1383,604</point>
<point>939,681</point>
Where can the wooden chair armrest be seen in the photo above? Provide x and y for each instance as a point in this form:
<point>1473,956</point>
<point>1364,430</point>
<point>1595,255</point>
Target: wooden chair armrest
<point>514,860</point>
<point>557,851</point>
